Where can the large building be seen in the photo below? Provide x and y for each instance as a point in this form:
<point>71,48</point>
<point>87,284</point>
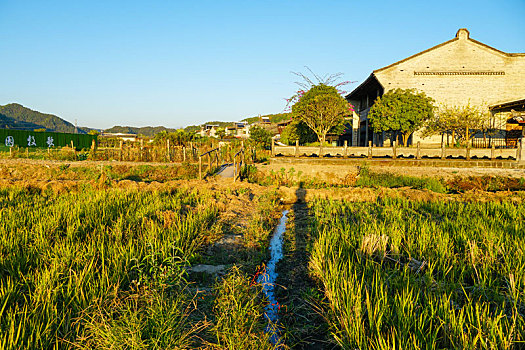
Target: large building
<point>456,72</point>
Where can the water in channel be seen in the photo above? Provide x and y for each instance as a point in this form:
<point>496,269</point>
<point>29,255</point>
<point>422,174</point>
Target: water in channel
<point>267,279</point>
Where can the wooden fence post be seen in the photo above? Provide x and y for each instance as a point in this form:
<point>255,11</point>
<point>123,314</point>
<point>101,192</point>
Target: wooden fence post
<point>443,155</point>
<point>369,149</point>
<point>209,161</point>
<point>234,168</point>
<point>345,152</point>
<point>418,150</point>
<point>519,151</point>
<point>121,149</point>
<point>297,148</point>
<point>394,150</point>
<point>493,151</point>
<point>273,147</point>
<point>141,149</point>
<point>168,150</point>
<point>200,167</point>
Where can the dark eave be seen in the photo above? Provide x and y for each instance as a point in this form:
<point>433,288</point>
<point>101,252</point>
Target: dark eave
<point>360,89</point>
<point>507,106</point>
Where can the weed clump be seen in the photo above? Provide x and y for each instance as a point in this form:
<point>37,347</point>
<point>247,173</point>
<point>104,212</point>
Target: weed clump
<point>238,308</point>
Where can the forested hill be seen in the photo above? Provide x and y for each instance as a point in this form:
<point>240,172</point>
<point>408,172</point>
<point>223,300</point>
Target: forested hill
<point>146,130</point>
<point>16,116</point>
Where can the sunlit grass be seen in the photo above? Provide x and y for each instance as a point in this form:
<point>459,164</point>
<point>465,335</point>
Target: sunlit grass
<point>75,267</point>
<point>400,275</point>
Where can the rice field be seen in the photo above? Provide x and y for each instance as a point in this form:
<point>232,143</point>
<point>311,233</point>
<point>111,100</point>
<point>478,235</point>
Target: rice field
<point>400,274</point>
<point>107,269</point>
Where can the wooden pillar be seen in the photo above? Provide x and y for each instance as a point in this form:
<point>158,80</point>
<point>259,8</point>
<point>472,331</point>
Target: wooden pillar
<point>493,151</point>
<point>394,150</point>
<point>345,152</point>
<point>184,154</point>
<point>297,148</point>
<point>369,149</point>
<point>443,155</point>
<point>366,130</point>
<point>273,147</point>
<point>520,157</point>
<point>418,150</point>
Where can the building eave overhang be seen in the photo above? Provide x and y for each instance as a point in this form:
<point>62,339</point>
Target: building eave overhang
<point>508,104</point>
<point>361,86</point>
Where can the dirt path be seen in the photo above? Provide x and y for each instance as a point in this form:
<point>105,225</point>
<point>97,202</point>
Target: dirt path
<point>331,173</point>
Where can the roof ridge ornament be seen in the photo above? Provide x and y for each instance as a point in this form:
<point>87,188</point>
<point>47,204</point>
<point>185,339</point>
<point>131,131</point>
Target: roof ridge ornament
<point>463,34</point>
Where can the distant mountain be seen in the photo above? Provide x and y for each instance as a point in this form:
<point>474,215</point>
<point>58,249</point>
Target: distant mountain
<point>146,131</point>
<point>16,116</point>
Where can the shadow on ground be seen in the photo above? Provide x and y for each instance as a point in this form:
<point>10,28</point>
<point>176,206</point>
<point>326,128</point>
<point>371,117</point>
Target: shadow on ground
<point>297,293</point>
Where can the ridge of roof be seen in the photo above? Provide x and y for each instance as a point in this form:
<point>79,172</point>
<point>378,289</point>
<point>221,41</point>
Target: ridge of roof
<point>448,42</point>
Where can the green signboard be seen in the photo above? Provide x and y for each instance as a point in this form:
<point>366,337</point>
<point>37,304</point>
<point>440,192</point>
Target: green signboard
<point>44,139</point>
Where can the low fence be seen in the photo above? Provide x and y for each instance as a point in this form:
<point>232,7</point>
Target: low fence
<point>395,152</point>
<point>140,152</point>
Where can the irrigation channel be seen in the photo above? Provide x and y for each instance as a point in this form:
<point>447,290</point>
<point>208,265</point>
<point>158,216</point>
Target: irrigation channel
<point>267,279</point>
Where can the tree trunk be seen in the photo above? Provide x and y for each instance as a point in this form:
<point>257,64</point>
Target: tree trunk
<point>322,139</point>
<point>404,138</point>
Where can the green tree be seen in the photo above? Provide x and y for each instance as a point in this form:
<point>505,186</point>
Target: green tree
<point>260,136</point>
<point>297,130</point>
<point>221,132</point>
<point>322,108</point>
<point>401,111</point>
<point>177,138</point>
<point>463,122</point>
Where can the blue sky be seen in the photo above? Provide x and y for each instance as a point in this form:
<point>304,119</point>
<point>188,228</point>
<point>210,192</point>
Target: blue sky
<point>176,63</point>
